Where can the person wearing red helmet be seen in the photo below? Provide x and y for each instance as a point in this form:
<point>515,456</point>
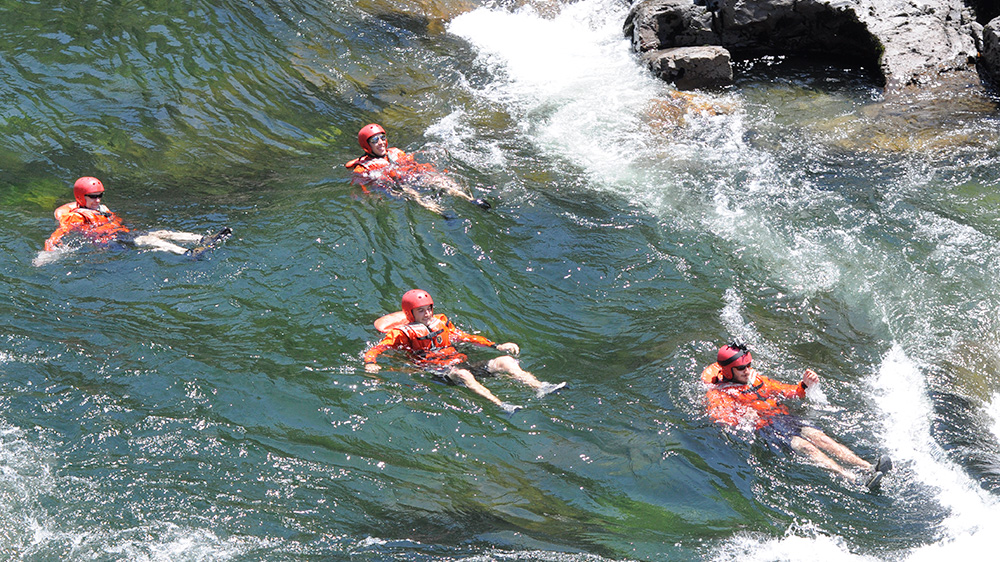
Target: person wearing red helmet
<point>429,341</point>
<point>88,216</point>
<point>394,170</point>
<point>739,396</point>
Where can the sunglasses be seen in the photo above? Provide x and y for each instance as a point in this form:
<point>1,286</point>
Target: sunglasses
<point>95,195</point>
<point>377,138</point>
<point>742,368</point>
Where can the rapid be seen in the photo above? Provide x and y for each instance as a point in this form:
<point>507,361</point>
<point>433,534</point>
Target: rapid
<point>154,407</point>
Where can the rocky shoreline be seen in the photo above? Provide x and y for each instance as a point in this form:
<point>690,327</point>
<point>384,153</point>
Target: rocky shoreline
<point>907,44</point>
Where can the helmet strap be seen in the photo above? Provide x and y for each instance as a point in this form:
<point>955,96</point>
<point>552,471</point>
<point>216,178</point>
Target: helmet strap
<point>732,359</point>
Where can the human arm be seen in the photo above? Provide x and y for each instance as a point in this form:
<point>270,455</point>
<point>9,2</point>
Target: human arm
<point>465,337</point>
<point>771,388</point>
<point>392,340</point>
<point>723,407</point>
<point>809,378</point>
<point>68,223</point>
<point>509,347</point>
<point>459,335</point>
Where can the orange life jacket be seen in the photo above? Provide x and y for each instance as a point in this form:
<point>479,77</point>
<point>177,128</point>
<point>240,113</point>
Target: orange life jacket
<point>755,402</point>
<point>427,344</point>
<point>395,165</point>
<point>100,226</point>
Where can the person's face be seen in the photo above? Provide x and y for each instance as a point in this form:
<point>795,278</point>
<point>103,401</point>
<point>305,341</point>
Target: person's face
<point>94,200</point>
<point>741,374</point>
<point>379,145</point>
<point>423,314</point>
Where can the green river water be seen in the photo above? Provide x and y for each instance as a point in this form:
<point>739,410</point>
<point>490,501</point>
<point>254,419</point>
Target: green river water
<point>154,407</point>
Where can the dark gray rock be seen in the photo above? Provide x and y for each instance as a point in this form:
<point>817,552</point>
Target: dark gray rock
<point>907,42</point>
<point>692,67</point>
<point>990,50</point>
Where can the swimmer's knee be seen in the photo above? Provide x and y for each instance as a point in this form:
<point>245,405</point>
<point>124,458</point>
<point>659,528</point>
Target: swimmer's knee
<point>803,445</point>
<point>504,364</point>
<point>811,432</point>
<point>462,376</point>
<point>817,436</point>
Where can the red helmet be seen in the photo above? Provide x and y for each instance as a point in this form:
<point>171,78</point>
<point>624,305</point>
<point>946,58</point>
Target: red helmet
<point>367,132</point>
<point>732,355</point>
<point>415,298</point>
<point>86,185</point>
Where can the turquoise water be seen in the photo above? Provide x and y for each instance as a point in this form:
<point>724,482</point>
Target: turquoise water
<point>157,408</point>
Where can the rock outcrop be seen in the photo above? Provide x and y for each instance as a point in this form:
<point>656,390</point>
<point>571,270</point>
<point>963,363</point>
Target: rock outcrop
<point>905,42</point>
<point>990,50</point>
<point>691,67</point>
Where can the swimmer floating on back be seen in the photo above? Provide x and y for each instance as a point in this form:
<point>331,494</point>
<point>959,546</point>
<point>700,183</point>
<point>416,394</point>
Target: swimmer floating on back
<point>395,171</point>
<point>428,339</point>
<point>739,395</point>
<point>89,217</point>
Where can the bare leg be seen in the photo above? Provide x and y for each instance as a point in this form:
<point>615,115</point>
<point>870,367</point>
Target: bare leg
<point>826,443</point>
<point>175,236</point>
<point>447,185</point>
<point>507,364</point>
<point>453,188</point>
<point>806,448</point>
<point>156,243</point>
<point>470,381</point>
<point>415,195</point>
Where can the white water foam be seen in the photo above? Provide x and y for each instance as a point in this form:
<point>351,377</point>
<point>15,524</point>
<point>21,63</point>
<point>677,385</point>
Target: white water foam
<point>994,411</point>
<point>900,394</point>
<point>24,477</point>
<point>29,529</point>
<point>589,101</point>
<point>574,87</point>
<point>801,542</point>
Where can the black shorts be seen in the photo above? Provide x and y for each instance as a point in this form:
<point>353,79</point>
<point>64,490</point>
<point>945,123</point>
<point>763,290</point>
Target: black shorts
<point>477,368</point>
<point>781,429</point>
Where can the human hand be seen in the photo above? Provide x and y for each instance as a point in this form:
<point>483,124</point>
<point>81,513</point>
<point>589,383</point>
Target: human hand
<point>509,347</point>
<point>371,367</point>
<point>809,378</point>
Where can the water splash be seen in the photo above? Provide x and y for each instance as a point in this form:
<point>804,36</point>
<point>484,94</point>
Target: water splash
<point>901,394</point>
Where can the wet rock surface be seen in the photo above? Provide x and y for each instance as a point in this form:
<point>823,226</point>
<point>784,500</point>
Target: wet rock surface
<point>905,43</point>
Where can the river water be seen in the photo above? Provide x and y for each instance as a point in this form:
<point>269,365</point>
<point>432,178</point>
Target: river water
<point>158,408</point>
